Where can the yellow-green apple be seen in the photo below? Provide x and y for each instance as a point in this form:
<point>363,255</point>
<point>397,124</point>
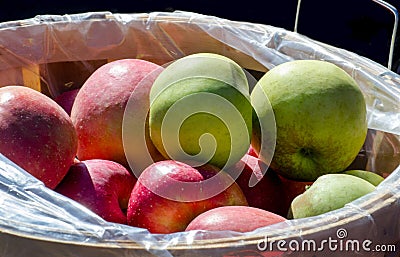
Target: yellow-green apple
<point>66,99</point>
<point>320,115</point>
<point>261,186</point>
<point>205,65</point>
<point>329,192</point>
<point>371,177</point>
<point>234,218</point>
<point>36,134</point>
<point>99,107</point>
<point>169,194</point>
<point>200,110</point>
<point>103,186</point>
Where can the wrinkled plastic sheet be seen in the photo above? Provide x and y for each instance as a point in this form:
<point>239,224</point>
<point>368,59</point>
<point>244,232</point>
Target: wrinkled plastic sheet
<point>35,221</point>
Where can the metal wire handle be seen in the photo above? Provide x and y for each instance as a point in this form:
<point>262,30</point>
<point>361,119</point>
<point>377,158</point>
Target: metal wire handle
<point>386,5</point>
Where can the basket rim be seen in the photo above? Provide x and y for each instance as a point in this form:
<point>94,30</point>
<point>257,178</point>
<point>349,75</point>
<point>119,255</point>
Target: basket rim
<point>380,200</point>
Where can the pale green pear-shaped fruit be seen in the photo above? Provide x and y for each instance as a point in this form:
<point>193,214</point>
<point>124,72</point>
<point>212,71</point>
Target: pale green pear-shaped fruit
<point>371,177</point>
<point>329,192</point>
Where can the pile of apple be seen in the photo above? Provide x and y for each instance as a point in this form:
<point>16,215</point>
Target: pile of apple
<point>225,155</point>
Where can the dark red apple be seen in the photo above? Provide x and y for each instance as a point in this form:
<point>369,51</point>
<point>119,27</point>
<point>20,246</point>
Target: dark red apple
<point>169,194</point>
<point>102,186</point>
<point>98,110</point>
<point>261,186</point>
<point>252,152</point>
<point>36,134</point>
<point>293,188</point>
<point>234,218</point>
<point>66,99</point>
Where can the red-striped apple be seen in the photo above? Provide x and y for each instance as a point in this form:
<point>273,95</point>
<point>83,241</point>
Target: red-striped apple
<point>234,218</point>
<point>36,134</point>
<point>102,186</point>
<point>99,107</point>
<point>169,194</point>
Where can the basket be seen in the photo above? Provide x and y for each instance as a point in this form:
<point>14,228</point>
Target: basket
<point>53,54</point>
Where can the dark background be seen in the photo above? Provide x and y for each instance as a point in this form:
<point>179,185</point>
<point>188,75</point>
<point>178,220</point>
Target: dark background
<point>361,26</point>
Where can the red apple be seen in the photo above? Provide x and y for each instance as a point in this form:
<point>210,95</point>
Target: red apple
<point>234,218</point>
<point>252,152</point>
<point>102,186</point>
<point>169,194</point>
<point>66,99</point>
<point>36,134</point>
<point>261,186</point>
<point>293,188</point>
<point>98,110</point>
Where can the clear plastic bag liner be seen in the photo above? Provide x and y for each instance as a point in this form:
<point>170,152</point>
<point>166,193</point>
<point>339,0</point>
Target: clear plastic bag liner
<point>36,221</point>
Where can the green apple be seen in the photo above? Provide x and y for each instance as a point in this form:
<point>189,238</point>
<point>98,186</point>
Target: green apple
<point>202,64</point>
<point>200,111</point>
<point>320,116</point>
<point>329,192</point>
<point>369,176</point>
